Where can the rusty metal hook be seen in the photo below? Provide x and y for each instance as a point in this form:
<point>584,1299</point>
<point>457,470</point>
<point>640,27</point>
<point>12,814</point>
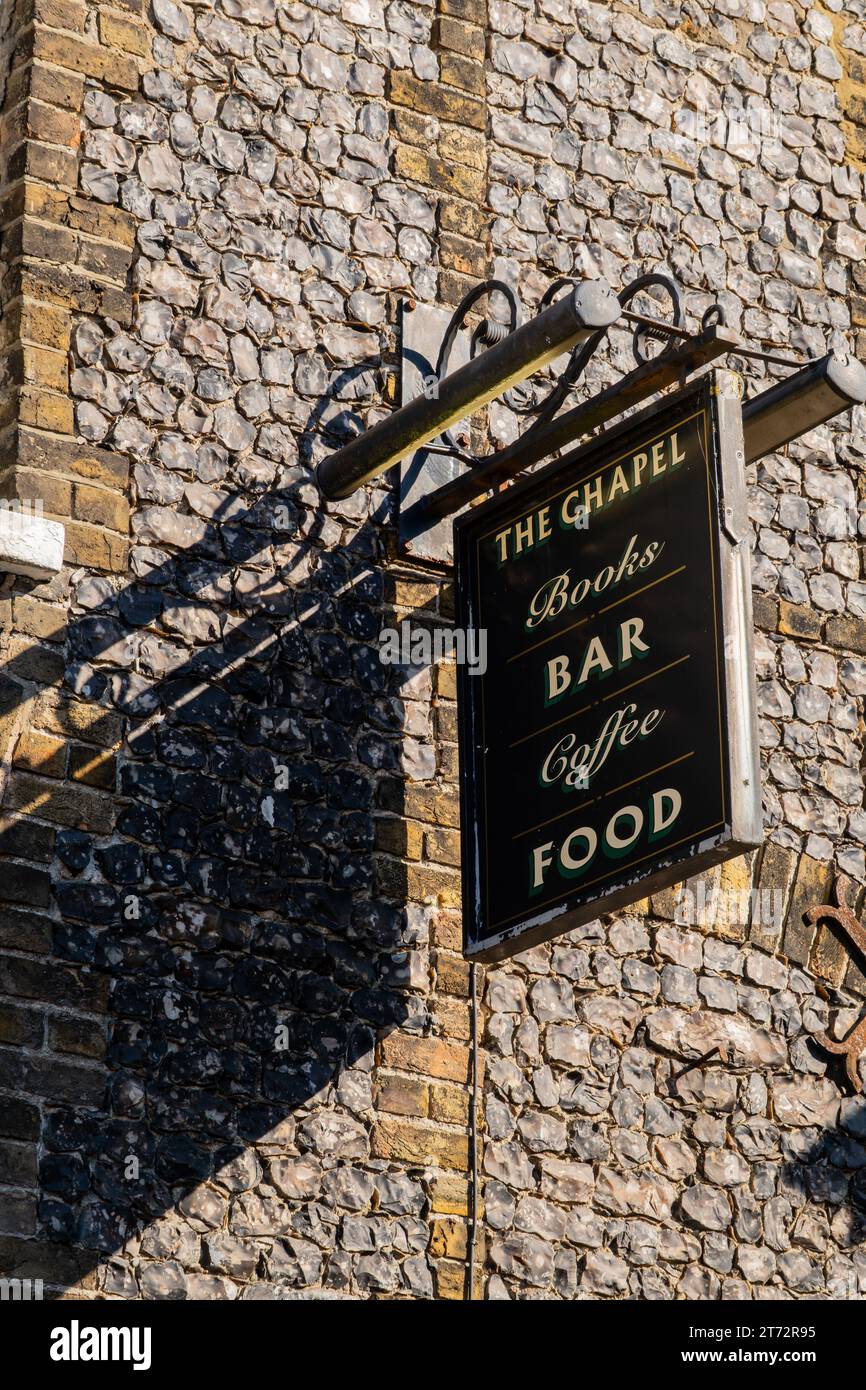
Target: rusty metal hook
<point>852,1047</point>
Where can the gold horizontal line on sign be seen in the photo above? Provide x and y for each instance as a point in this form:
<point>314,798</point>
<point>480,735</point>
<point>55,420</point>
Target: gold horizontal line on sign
<point>541,824</point>
<point>673,762</point>
<point>625,597</point>
<point>622,786</point>
<point>552,637</point>
<point>615,694</point>
<point>589,616</point>
<point>575,713</point>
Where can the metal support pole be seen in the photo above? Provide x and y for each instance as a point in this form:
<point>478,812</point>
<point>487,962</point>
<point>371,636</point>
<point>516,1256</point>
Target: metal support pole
<point>472,1240</point>
<point>804,400</point>
<point>801,402</point>
<point>591,306</point>
<point>542,442</point>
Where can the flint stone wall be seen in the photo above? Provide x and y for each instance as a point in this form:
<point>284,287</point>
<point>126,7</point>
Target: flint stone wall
<point>234,1013</point>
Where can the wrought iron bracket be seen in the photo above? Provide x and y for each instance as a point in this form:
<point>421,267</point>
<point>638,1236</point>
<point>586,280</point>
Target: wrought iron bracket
<point>454,364</point>
<point>852,1047</point>
<point>444,475</point>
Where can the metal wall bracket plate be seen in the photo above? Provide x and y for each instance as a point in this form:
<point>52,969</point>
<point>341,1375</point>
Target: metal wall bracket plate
<point>422,537</point>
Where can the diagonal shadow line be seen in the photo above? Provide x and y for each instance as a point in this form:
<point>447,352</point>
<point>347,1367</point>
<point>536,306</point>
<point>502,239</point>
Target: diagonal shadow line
<point>319,950</point>
<point>211,1090</point>
<point>261,537</point>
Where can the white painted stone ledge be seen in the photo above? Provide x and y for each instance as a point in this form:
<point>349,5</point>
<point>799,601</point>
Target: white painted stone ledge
<point>29,545</point>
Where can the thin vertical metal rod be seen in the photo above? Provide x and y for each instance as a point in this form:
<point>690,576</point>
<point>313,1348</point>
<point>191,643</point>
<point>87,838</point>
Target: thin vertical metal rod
<point>473,1130</point>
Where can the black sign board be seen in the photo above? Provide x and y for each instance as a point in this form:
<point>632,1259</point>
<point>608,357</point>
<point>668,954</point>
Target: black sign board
<point>609,748</point>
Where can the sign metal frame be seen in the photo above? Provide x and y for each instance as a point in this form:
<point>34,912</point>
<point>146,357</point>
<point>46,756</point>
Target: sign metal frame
<point>718,392</point>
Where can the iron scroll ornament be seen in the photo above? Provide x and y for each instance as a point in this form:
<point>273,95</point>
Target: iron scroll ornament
<point>852,1047</point>
<point>490,331</point>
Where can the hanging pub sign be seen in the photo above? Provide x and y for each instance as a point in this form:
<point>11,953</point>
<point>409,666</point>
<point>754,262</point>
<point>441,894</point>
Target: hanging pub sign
<point>609,747</point>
